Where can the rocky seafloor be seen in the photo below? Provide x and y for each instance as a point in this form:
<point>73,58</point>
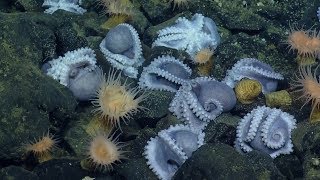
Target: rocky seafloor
<point>33,103</point>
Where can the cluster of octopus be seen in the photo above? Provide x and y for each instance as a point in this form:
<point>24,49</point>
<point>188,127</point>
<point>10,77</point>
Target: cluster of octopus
<point>197,101</point>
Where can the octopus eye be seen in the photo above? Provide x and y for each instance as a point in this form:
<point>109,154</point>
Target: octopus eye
<point>173,163</point>
<point>194,84</point>
<point>210,106</point>
<point>74,72</point>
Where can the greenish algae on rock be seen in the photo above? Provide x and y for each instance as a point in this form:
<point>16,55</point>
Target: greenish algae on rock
<point>135,169</point>
<point>30,100</point>
<point>264,166</point>
<point>157,10</point>
<point>157,103</point>
<point>16,172</point>
<point>222,129</point>
<point>29,5</point>
<point>216,161</point>
<point>290,166</point>
<point>220,161</point>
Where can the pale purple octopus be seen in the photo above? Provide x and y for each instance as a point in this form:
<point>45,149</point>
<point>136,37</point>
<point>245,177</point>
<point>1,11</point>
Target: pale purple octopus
<point>267,130</point>
<point>253,69</point>
<point>122,48</point>
<point>165,73</point>
<point>201,101</point>
<point>169,150</point>
<point>78,71</point>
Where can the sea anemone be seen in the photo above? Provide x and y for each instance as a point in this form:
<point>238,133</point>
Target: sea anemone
<point>179,3</point>
<point>308,84</point>
<point>203,56</point>
<point>42,147</point>
<point>117,7</point>
<point>105,150</point>
<point>307,43</point>
<point>116,101</point>
<point>206,68</point>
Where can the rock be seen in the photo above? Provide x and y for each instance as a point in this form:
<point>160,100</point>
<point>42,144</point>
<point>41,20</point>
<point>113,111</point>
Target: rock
<point>29,5</point>
<point>222,129</point>
<point>311,165</point>
<point>135,169</point>
<point>306,139</point>
<point>157,103</point>
<point>135,147</point>
<point>31,102</point>
<point>68,39</point>
<point>62,169</point>
<point>290,166</point>
<point>81,132</point>
<point>218,161</point>
<point>236,18</point>
<point>157,11</point>
<point>263,165</point>
<point>5,5</point>
<point>16,172</point>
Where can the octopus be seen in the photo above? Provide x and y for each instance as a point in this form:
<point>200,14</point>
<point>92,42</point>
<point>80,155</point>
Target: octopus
<point>190,36</point>
<point>201,101</point>
<point>267,130</point>
<point>67,5</point>
<point>165,73</point>
<point>122,49</point>
<point>78,71</point>
<point>253,69</point>
<point>166,152</point>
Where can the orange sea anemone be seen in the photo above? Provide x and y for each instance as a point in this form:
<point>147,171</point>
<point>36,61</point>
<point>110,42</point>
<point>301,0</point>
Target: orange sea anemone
<point>307,43</point>
<point>117,7</point>
<point>116,101</point>
<point>203,56</point>
<point>42,147</point>
<point>104,151</point>
<point>307,82</point>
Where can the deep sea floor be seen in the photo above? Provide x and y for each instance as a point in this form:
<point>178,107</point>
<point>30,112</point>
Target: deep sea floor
<point>159,89</point>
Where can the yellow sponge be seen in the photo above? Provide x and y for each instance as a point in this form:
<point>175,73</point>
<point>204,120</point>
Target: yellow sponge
<point>247,90</point>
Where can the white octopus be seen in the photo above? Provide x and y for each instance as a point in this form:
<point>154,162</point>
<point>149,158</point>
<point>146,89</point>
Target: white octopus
<point>253,69</point>
<point>61,67</point>
<point>190,35</point>
<point>266,129</point>
<point>171,148</point>
<point>122,48</point>
<point>201,101</point>
<point>165,73</point>
<point>67,5</point>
